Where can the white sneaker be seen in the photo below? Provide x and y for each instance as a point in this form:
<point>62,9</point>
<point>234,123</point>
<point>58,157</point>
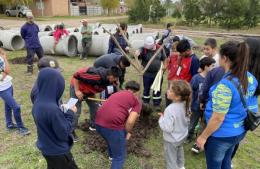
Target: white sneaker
<point>182,168</point>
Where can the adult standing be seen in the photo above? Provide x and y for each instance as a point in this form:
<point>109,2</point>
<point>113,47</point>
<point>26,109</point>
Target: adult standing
<point>225,113</point>
<point>86,32</point>
<point>115,120</point>
<point>120,39</point>
<point>29,33</point>
<point>145,54</point>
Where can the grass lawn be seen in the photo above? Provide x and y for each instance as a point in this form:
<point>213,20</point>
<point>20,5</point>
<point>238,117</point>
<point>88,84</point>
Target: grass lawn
<point>18,152</point>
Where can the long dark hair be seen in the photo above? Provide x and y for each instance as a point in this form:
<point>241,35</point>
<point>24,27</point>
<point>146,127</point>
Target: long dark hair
<point>238,55</point>
<point>254,60</point>
<point>182,88</point>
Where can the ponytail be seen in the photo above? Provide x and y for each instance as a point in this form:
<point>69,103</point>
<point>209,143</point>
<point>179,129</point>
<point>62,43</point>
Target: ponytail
<point>240,70</point>
<point>182,88</point>
<point>238,55</point>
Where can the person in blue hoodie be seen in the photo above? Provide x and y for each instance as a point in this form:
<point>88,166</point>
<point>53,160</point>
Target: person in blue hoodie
<point>54,126</point>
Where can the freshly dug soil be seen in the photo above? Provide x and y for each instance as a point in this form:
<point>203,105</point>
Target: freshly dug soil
<point>143,129</point>
<point>21,60</point>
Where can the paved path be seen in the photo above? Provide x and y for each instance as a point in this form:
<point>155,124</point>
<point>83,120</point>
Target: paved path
<point>11,23</point>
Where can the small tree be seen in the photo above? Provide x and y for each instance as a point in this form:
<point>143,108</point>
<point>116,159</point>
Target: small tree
<point>233,13</point>
<point>16,2</point>
<point>139,11</point>
<point>110,4</point>
<point>192,11</point>
<point>157,11</point>
<point>252,15</point>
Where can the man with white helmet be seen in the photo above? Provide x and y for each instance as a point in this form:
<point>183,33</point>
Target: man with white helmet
<point>145,54</point>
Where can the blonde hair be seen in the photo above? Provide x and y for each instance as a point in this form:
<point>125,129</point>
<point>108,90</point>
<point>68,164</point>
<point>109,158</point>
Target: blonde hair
<point>182,88</point>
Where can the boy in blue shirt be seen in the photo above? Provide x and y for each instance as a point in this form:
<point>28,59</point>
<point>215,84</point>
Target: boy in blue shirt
<point>206,64</point>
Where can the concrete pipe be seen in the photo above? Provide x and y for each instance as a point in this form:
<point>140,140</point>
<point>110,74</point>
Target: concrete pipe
<point>99,44</point>
<point>49,33</point>
<point>11,41</point>
<point>46,28</point>
<point>66,46</point>
<point>137,40</point>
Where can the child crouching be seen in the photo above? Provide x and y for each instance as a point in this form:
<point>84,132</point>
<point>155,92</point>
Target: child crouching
<point>174,123</point>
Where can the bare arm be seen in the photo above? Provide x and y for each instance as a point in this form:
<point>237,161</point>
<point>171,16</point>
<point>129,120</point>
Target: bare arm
<point>78,93</point>
<point>131,121</point>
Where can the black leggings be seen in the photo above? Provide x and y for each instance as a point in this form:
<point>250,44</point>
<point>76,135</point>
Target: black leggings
<point>64,161</point>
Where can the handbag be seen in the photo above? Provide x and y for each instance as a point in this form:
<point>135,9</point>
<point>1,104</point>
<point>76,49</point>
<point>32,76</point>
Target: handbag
<point>252,120</point>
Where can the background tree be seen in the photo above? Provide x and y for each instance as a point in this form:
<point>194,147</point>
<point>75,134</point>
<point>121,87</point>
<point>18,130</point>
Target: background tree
<point>210,9</point>
<point>252,15</point>
<point>157,11</point>
<point>16,2</point>
<point>233,13</point>
<point>140,10</point>
<point>177,9</point>
<point>129,3</point>
<point>109,4</point>
<point>192,11</point>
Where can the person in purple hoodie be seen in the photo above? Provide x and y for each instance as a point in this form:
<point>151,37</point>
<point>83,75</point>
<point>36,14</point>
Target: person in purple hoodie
<point>29,33</point>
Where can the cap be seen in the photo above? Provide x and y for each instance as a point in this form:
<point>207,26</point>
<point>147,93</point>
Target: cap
<point>84,20</point>
<point>29,15</point>
<point>48,61</point>
<point>149,42</point>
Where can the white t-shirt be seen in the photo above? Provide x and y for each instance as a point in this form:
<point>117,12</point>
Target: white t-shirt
<point>7,82</point>
<point>216,57</point>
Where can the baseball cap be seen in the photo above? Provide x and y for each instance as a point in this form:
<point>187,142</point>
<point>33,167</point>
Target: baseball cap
<point>29,15</point>
<point>48,61</point>
<point>84,20</point>
<point>149,42</point>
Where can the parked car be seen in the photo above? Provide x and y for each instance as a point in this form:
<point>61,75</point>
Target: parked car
<point>20,11</point>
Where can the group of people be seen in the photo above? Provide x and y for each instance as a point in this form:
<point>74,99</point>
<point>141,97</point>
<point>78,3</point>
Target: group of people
<point>204,91</point>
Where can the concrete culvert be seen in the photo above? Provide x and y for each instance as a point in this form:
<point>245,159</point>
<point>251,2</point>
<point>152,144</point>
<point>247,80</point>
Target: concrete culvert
<point>17,42</point>
<point>66,46</point>
<point>11,40</point>
<point>45,28</point>
<point>99,44</point>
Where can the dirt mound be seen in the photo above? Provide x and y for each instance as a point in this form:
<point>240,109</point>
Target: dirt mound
<point>21,60</point>
<point>144,128</point>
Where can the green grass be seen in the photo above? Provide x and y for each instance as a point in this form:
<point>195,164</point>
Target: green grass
<point>18,152</point>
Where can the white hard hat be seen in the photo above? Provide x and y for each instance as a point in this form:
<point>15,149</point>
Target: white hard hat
<point>149,42</point>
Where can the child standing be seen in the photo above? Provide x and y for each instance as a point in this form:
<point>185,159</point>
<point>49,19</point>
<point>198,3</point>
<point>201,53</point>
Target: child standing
<point>174,123</point>
<point>6,93</point>
<point>210,50</point>
<point>206,64</point>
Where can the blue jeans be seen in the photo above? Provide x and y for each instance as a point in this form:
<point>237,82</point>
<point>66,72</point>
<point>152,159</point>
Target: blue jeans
<point>116,141</point>
<point>218,151</point>
<point>10,104</point>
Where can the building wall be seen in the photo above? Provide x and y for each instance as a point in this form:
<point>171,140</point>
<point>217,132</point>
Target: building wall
<point>60,7</point>
<point>51,8</point>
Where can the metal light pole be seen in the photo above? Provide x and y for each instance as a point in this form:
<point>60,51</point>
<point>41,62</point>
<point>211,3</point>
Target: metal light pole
<point>41,6</point>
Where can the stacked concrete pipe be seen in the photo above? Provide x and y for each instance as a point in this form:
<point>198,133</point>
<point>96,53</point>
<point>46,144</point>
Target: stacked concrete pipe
<point>46,28</point>
<point>99,44</point>
<point>137,40</point>
<point>66,46</point>
<point>11,40</point>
